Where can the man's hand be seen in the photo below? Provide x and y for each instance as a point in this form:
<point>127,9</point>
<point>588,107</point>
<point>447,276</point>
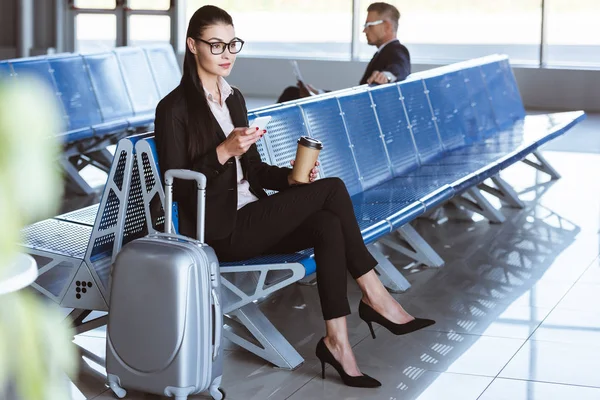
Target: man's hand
<point>311,178</point>
<point>238,142</point>
<point>307,89</point>
<point>378,77</point>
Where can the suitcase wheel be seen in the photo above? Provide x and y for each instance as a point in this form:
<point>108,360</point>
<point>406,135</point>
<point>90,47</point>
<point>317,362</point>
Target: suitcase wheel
<point>119,392</point>
<point>114,384</point>
<point>218,395</point>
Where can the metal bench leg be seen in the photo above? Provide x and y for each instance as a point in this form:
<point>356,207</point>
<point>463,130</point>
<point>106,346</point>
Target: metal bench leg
<point>76,183</point>
<point>542,165</point>
<point>389,275</point>
<point>473,200</point>
<point>77,319</point>
<point>308,280</point>
<point>503,191</point>
<point>411,244</point>
<point>265,341</point>
<point>103,159</point>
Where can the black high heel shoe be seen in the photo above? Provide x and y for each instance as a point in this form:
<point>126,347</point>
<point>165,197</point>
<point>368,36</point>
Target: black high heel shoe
<point>369,315</point>
<point>325,356</point>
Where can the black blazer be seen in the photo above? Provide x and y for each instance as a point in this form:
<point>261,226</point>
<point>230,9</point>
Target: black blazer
<point>171,135</point>
<point>394,58</point>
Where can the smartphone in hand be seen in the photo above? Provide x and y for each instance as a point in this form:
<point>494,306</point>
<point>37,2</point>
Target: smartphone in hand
<point>260,122</point>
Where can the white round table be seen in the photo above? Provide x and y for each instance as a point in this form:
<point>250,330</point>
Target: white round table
<point>21,273</point>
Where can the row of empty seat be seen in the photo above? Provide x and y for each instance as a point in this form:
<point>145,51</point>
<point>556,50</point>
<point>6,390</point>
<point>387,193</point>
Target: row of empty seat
<point>102,96</point>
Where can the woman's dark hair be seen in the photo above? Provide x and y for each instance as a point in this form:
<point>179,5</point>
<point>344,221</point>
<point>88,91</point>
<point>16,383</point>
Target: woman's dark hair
<point>199,114</point>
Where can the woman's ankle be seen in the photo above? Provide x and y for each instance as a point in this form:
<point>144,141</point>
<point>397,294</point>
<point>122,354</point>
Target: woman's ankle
<point>374,299</point>
<point>336,342</point>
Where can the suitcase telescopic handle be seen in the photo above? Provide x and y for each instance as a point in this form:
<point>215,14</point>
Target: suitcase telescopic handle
<point>186,175</point>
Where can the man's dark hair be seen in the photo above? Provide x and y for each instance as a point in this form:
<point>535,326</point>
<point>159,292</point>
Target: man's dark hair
<point>387,11</point>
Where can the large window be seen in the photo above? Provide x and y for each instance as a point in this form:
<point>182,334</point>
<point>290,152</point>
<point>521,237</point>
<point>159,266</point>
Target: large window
<point>95,32</point>
<point>149,29</point>
<point>572,33</point>
<point>455,30</point>
<point>435,31</point>
<point>296,28</point>
<point>100,25</point>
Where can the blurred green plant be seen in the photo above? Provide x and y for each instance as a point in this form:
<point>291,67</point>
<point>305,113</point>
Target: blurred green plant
<point>35,345</point>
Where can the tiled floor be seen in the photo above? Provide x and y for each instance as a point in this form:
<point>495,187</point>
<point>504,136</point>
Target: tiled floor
<point>516,307</point>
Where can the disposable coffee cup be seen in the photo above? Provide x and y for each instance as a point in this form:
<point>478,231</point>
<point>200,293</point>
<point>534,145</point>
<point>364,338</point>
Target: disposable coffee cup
<point>306,157</point>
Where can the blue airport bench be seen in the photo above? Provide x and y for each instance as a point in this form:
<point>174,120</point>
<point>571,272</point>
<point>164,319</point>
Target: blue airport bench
<point>140,85</point>
<point>402,150</point>
<point>5,70</point>
<point>164,67</point>
<point>103,97</point>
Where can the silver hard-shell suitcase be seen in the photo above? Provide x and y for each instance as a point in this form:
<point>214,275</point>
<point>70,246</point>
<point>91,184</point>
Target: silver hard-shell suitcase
<point>165,322</point>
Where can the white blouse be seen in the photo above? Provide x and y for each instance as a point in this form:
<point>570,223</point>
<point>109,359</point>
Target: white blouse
<point>221,113</point>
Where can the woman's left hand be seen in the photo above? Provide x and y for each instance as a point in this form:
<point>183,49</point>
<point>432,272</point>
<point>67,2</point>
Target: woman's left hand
<point>312,177</point>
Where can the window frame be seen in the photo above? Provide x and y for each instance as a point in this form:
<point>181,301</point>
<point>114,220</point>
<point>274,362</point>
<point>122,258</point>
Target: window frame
<point>122,12</point>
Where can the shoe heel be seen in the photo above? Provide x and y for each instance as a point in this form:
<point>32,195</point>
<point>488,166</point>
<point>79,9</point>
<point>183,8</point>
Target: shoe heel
<point>322,369</point>
<point>371,328</point>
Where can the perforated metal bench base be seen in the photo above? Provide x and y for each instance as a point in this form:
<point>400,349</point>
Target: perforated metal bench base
<point>84,216</point>
<point>58,237</point>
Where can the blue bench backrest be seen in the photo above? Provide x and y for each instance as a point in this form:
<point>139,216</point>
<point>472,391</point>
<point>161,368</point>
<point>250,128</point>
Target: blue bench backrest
<point>76,92</point>
<point>109,86</point>
<point>394,126</point>
<point>261,144</point>
<point>138,79</point>
<point>36,66</point>
<point>421,120</point>
<point>503,91</point>
<point>480,101</point>
<point>455,117</point>
<point>365,138</point>
<point>164,67</point>
<point>337,159</point>
<point>283,131</point>
<point>5,69</point>
<point>40,68</point>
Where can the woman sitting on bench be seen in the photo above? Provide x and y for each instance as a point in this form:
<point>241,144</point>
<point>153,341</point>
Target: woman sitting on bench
<point>202,125</point>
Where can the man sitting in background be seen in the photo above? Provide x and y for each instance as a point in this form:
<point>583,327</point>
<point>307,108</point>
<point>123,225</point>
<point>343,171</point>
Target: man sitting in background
<point>391,61</point>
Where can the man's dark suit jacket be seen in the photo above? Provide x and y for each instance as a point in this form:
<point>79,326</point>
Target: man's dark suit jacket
<point>172,131</point>
<point>394,58</point>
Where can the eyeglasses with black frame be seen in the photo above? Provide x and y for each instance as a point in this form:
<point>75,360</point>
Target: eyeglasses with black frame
<point>216,48</point>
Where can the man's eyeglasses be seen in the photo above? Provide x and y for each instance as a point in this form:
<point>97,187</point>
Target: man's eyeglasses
<point>216,48</point>
<point>368,24</point>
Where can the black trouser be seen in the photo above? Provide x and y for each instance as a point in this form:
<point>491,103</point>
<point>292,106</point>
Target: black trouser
<point>318,215</point>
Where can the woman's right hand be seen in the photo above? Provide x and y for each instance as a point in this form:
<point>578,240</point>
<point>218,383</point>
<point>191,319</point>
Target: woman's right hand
<point>238,142</point>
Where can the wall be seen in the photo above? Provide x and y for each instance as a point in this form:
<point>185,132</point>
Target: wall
<point>44,29</point>
<point>8,28</point>
<point>44,26</point>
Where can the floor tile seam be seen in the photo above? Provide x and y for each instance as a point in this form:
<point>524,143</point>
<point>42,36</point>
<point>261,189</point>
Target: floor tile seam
<point>300,388</point>
<point>562,298</point>
<point>540,324</point>
<point>100,394</point>
<point>590,345</point>
<point>548,382</point>
<point>486,388</point>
